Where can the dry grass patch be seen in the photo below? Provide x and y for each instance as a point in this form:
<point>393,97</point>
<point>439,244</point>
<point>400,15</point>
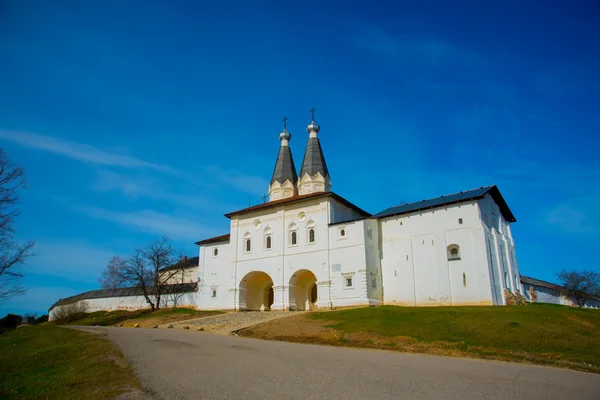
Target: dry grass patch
<point>541,334</point>
<point>144,318</point>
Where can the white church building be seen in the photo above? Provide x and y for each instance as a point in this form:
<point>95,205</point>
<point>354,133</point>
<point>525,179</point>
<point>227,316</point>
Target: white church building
<point>309,248</point>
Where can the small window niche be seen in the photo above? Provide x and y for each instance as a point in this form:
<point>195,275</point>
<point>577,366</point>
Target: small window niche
<point>216,252</point>
<point>213,291</point>
<point>268,242</point>
<point>348,280</point>
<point>460,221</point>
<point>311,233</point>
<point>293,235</point>
<point>342,233</point>
<point>453,252</point>
<point>464,279</point>
<point>247,243</point>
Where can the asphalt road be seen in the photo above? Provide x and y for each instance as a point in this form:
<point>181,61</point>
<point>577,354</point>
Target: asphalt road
<point>176,364</point>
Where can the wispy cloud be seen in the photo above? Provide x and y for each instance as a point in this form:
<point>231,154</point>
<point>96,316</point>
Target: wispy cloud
<point>213,177</point>
<point>413,48</point>
<point>176,227</point>
<point>242,182</point>
<point>79,151</point>
<point>575,216</point>
<point>73,259</point>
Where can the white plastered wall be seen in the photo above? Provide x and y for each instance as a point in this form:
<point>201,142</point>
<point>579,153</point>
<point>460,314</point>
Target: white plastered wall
<point>415,262</point>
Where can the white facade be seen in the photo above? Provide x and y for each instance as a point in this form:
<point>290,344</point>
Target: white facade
<point>403,259</point>
<point>308,248</point>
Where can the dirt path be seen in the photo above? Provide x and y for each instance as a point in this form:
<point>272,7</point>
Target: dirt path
<point>230,322</point>
<point>185,364</point>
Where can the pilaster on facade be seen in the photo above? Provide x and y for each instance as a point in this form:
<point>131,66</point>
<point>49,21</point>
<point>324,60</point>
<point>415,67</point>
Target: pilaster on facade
<point>280,301</point>
<point>324,295</point>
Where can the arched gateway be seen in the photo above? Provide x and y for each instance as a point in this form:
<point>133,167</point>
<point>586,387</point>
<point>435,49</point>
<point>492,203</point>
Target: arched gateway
<point>256,291</point>
<point>303,290</point>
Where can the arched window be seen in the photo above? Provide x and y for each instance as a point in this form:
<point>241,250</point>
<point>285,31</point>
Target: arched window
<point>311,235</point>
<point>268,242</point>
<point>215,252</point>
<point>247,242</point>
<point>293,232</point>
<point>454,252</point>
<point>294,238</point>
<point>342,232</point>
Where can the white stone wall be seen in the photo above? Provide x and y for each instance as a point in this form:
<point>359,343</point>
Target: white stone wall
<point>502,260</point>
<point>214,277</point>
<point>187,275</point>
<point>133,303</point>
<point>280,262</point>
<point>415,262</point>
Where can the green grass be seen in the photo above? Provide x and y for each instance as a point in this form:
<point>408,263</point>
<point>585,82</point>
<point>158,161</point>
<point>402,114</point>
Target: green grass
<point>46,361</point>
<point>105,318</point>
<point>549,330</point>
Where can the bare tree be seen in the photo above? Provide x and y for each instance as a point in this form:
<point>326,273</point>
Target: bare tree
<point>581,286</point>
<point>12,253</point>
<point>111,277</point>
<point>145,268</point>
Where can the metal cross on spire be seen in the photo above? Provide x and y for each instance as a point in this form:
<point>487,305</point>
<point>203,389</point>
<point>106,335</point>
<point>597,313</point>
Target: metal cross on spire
<point>284,122</point>
<point>312,112</point>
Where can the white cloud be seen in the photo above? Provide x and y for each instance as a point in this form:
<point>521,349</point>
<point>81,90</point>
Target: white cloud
<point>413,48</point>
<point>139,185</point>
<point>71,259</point>
<point>176,227</point>
<point>79,151</point>
<point>238,180</point>
<point>573,218</point>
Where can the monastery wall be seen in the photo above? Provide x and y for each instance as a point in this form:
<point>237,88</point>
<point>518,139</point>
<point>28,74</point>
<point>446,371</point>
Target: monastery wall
<point>499,244</point>
<point>416,261</point>
<point>132,303</point>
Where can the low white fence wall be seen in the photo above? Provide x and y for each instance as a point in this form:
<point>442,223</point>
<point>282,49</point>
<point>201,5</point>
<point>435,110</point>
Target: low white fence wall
<point>183,295</point>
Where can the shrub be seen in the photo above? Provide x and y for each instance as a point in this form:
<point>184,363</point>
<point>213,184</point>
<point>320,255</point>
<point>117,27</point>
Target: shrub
<point>514,299</point>
<point>70,312</point>
<point>11,321</point>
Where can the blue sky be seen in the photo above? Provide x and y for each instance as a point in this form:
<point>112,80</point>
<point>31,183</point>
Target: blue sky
<point>138,119</point>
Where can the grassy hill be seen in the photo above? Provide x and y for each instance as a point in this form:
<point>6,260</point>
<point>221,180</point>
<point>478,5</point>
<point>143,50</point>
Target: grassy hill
<point>539,333</point>
<point>48,362</point>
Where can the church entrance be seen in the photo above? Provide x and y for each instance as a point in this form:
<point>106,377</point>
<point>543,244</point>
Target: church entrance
<point>256,292</point>
<point>303,290</point>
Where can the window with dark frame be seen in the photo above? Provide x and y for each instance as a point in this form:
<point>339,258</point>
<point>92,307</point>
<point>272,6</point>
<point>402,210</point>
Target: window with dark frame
<point>294,238</point>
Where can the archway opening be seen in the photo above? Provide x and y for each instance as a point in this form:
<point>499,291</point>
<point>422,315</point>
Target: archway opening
<point>303,290</point>
<point>256,292</point>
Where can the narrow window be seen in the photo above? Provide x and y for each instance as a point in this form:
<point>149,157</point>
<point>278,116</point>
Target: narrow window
<point>214,293</point>
<point>454,252</point>
<point>464,279</point>
<point>248,245</point>
<point>311,236</point>
<point>348,282</point>
<point>460,221</point>
<point>215,252</point>
<point>294,238</point>
<point>268,244</point>
<point>374,281</point>
<point>343,233</point>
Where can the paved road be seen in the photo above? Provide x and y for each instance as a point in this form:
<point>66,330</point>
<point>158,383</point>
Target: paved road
<point>176,364</point>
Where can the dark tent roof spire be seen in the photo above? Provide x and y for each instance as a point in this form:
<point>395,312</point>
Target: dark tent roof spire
<point>285,170</point>
<point>314,160</point>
